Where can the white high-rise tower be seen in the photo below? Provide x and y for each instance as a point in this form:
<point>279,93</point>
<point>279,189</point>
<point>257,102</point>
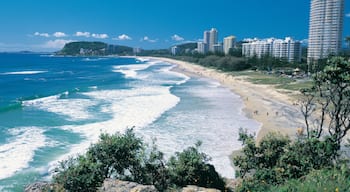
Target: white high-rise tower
<point>213,39</point>
<point>325,29</point>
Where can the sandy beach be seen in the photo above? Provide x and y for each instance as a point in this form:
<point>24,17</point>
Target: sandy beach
<point>264,103</point>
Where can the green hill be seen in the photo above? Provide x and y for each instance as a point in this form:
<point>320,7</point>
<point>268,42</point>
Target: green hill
<point>85,48</point>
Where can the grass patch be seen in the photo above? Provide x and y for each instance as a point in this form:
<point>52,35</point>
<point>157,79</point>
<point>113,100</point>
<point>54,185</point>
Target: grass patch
<point>262,78</point>
<point>280,82</point>
<point>295,86</point>
<point>319,180</point>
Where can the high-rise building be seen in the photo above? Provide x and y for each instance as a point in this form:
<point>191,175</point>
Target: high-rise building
<point>287,48</point>
<point>202,47</point>
<point>174,50</point>
<point>213,39</point>
<point>210,42</point>
<point>325,28</point>
<point>206,37</point>
<point>217,48</point>
<point>229,43</point>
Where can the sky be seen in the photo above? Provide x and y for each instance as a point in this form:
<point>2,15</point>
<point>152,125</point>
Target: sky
<point>46,25</point>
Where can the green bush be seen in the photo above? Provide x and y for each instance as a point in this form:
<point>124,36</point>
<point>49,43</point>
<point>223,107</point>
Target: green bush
<point>119,155</point>
<point>335,179</point>
<point>126,157</point>
<point>191,167</point>
<point>79,174</point>
<point>277,159</point>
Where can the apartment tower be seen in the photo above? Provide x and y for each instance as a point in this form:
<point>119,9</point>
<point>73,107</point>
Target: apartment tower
<point>229,43</point>
<point>213,39</point>
<point>325,29</point>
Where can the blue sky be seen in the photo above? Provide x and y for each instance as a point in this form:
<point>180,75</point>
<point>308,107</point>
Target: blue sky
<point>45,25</point>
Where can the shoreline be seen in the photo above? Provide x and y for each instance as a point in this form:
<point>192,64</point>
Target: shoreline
<point>263,103</point>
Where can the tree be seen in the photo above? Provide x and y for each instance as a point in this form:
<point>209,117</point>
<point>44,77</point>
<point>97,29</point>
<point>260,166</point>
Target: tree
<point>127,157</point>
<point>191,167</point>
<point>78,174</point>
<point>276,159</point>
<point>329,101</point>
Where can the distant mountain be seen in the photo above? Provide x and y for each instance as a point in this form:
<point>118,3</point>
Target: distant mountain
<point>86,48</point>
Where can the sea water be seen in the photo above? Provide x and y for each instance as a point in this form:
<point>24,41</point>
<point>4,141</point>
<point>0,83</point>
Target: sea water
<point>54,107</point>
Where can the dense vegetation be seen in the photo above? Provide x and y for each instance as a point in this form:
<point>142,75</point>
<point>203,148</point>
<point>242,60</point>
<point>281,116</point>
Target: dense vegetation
<point>85,48</point>
<point>125,157</point>
<point>313,161</point>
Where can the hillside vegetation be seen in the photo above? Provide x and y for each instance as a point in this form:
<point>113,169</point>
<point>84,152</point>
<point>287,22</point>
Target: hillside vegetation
<point>85,48</point>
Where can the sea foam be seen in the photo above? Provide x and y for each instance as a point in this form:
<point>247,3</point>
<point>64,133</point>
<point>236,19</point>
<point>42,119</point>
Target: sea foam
<point>136,108</point>
<point>130,71</point>
<point>23,72</point>
<point>75,109</point>
<point>16,154</point>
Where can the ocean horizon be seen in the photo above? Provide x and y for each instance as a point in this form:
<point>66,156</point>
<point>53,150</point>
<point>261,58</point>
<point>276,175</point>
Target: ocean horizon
<point>54,107</point>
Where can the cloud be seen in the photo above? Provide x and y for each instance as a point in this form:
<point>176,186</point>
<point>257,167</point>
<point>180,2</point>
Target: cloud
<point>347,15</point>
<point>82,34</point>
<point>56,44</point>
<point>99,36</point>
<point>41,34</point>
<point>305,41</point>
<point>59,34</point>
<point>146,38</point>
<point>123,37</point>
<point>177,38</point>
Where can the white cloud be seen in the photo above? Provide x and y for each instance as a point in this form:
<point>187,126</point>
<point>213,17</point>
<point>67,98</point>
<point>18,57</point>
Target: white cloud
<point>305,41</point>
<point>123,37</point>
<point>99,36</point>
<point>146,38</point>
<point>347,15</point>
<point>59,34</point>
<point>41,34</point>
<point>177,38</point>
<point>56,44</point>
<point>82,34</point>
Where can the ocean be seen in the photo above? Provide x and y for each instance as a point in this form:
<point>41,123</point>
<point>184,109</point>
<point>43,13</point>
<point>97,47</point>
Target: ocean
<point>54,107</point>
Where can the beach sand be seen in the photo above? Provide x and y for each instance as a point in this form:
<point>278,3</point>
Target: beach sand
<point>263,103</point>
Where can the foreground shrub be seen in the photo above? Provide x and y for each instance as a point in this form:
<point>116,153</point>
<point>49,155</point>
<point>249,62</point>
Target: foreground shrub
<point>79,174</point>
<point>277,159</point>
<point>126,157</point>
<point>191,167</point>
<point>335,179</point>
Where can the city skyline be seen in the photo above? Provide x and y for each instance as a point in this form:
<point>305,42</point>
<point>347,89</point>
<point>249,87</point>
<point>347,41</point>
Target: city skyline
<point>48,25</point>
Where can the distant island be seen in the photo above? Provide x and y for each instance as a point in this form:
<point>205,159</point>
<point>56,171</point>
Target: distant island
<point>85,48</point>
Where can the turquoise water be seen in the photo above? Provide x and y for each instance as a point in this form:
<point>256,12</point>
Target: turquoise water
<point>54,107</point>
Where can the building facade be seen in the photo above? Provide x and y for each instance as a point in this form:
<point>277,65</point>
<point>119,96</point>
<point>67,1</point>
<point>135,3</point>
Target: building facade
<point>325,28</point>
<point>287,49</point>
<point>202,47</point>
<point>174,50</point>
<point>213,39</point>
<point>229,43</point>
<point>209,43</point>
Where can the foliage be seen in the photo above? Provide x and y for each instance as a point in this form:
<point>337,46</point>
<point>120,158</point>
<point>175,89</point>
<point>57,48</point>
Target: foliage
<point>125,157</point>
<point>226,63</point>
<point>192,167</point>
<point>118,155</point>
<point>74,48</point>
<point>334,179</point>
<point>86,48</point>
<point>277,159</point>
<point>330,96</point>
<point>78,174</point>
